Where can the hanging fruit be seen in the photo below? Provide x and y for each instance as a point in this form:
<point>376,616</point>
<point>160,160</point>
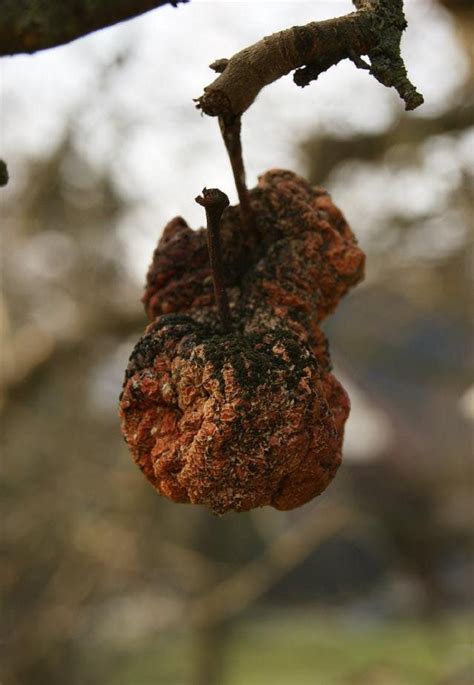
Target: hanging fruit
<point>229,400</point>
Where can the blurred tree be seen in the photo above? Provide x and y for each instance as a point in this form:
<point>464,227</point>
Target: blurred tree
<point>416,490</point>
<point>96,570</point>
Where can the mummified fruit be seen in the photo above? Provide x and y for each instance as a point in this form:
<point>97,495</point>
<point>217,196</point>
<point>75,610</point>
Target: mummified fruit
<point>251,417</point>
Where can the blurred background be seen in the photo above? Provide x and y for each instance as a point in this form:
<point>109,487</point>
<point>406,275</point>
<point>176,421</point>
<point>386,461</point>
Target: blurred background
<point>103,581</point>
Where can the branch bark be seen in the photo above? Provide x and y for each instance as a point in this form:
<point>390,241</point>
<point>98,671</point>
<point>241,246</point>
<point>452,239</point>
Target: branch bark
<point>31,25</point>
<point>374,30</point>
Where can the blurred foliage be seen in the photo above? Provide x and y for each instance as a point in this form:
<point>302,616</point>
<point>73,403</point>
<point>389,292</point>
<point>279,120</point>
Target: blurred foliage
<point>277,650</point>
<point>104,582</point>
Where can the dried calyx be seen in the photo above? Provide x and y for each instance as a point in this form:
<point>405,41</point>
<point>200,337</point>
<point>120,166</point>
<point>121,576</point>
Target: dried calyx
<point>249,415</point>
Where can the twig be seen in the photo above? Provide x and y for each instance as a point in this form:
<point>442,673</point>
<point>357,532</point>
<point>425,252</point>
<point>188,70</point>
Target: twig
<point>374,30</point>
<point>230,129</point>
<point>214,202</point>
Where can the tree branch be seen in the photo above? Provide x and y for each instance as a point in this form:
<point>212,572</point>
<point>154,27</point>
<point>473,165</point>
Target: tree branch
<point>374,30</point>
<point>31,25</point>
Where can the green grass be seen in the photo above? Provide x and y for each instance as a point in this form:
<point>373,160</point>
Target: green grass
<point>309,649</point>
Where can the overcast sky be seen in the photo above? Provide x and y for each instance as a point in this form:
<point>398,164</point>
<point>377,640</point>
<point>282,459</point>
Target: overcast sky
<point>141,121</point>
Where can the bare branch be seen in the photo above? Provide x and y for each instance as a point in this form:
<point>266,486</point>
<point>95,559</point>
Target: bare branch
<point>27,26</point>
<point>374,30</point>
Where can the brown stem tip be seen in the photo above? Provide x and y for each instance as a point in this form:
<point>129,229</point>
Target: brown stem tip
<point>214,201</point>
